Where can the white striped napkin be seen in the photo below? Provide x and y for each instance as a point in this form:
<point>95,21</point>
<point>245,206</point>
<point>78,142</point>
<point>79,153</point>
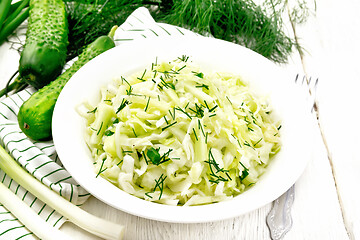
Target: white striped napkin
<point>40,158</point>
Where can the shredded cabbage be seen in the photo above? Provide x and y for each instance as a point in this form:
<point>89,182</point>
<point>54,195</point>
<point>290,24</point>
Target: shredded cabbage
<point>178,135</point>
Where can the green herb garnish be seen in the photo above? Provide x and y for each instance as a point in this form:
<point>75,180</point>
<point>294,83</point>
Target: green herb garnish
<point>109,133</point>
<point>123,104</point>
<point>173,123</point>
<point>154,156</point>
<point>244,173</point>
<point>159,183</point>
<point>147,104</point>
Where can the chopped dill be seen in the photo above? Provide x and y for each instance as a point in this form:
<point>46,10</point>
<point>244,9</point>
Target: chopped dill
<point>250,129</point>
<point>228,99</point>
<point>181,68</point>
<point>183,58</point>
<point>142,77</point>
<point>183,111</point>
<point>216,177</point>
<point>109,133</point>
<point>101,125</point>
<point>92,111</point>
<point>159,183</point>
<point>210,109</point>
<point>203,86</point>
<point>145,158</point>
<point>244,173</point>
<point>199,111</point>
<point>186,105</point>
<point>129,91</point>
<point>167,122</point>
<point>155,73</point>
<point>236,140</point>
<point>248,144</point>
<point>198,74</point>
<point>134,132</point>
<point>258,142</point>
<point>172,114</point>
<point>201,127</point>
<point>123,104</point>
<point>124,80</point>
<point>166,127</point>
<point>101,170</point>
<point>147,104</point>
<point>166,84</point>
<point>195,135</point>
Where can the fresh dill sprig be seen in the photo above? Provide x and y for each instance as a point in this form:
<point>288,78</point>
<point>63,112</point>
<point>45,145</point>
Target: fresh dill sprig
<point>89,19</point>
<point>242,22</point>
<point>256,26</point>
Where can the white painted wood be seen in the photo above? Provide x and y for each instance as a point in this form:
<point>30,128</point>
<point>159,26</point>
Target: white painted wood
<point>327,194</point>
<point>333,43</point>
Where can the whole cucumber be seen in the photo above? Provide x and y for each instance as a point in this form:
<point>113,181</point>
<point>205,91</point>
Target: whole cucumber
<point>35,114</point>
<point>45,49</point>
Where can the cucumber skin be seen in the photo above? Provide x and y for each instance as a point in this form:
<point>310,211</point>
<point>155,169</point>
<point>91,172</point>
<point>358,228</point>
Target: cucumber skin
<point>35,114</point>
<point>45,49</point>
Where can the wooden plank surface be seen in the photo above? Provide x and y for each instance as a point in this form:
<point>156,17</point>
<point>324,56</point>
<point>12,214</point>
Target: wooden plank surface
<point>327,196</point>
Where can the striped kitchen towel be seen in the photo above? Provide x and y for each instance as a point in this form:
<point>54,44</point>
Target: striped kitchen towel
<point>40,158</point>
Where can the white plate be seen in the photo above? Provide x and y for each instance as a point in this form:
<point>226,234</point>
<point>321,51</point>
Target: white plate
<point>263,75</point>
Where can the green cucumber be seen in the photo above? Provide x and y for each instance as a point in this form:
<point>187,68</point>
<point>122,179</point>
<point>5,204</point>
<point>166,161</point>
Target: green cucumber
<point>35,114</point>
<point>45,49</point>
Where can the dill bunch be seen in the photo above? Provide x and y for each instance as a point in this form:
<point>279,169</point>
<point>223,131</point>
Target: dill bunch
<point>89,19</point>
<point>242,22</point>
<point>258,27</point>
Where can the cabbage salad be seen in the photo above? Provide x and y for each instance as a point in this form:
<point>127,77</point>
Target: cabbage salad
<point>178,135</point>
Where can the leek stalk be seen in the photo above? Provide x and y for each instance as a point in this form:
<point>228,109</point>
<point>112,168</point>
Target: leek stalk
<point>28,217</point>
<point>94,225</point>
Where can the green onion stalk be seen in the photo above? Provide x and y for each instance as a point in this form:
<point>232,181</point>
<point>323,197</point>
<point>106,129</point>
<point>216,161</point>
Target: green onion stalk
<point>92,224</point>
